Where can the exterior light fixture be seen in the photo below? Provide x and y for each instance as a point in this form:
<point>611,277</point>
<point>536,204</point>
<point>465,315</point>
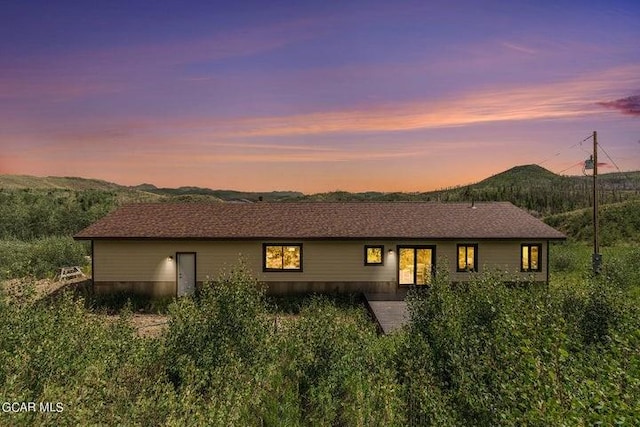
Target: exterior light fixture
<point>170,257</point>
<point>390,251</point>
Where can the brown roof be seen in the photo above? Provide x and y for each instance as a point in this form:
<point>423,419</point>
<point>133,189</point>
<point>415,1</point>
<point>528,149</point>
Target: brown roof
<point>337,220</point>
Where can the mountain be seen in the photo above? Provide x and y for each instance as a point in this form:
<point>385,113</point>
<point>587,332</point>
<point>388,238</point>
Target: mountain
<point>541,191</point>
<point>20,182</point>
<point>531,187</point>
<point>225,195</point>
<point>532,174</point>
<point>142,192</point>
<point>64,205</point>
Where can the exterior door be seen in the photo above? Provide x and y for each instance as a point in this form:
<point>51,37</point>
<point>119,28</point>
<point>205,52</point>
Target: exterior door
<point>415,265</point>
<point>186,273</point>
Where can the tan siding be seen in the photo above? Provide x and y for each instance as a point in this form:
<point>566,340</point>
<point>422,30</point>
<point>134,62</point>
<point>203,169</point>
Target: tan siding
<point>502,256</point>
<point>323,261</point>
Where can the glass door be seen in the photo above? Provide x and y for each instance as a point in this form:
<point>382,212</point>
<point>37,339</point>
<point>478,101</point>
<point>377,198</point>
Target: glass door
<point>415,265</point>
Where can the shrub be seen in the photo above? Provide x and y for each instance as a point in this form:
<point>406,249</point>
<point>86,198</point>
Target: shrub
<point>39,258</point>
<point>342,373</point>
<point>508,355</point>
<point>102,373</point>
<point>226,323</point>
<point>599,315</point>
<point>621,270</point>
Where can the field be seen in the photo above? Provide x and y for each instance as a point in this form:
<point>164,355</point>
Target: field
<point>479,354</point>
<point>487,354</point>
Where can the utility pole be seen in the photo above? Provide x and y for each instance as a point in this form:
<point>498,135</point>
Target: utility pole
<point>597,258</point>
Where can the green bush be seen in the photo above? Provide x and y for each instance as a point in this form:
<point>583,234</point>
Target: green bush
<point>342,373</point>
<point>31,214</point>
<point>562,260</point>
<point>622,270</point>
<point>39,258</point>
<point>511,355</point>
<point>101,373</point>
<point>482,353</point>
<point>217,347</point>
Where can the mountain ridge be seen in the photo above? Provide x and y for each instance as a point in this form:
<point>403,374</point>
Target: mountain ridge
<point>523,185</point>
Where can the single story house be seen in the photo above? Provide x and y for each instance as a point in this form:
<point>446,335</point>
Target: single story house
<point>163,249</point>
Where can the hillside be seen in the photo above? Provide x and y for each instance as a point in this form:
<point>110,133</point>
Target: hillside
<point>66,187</point>
<point>619,222</point>
<point>20,182</point>
<point>531,187</point>
<point>63,205</point>
<point>543,192</point>
<point>519,174</point>
<point>226,195</point>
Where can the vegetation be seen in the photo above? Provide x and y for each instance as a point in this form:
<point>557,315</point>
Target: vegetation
<point>37,224</point>
<point>530,187</point>
<point>220,195</point>
<point>619,222</point>
<point>523,355</point>
<point>30,214</point>
<point>39,212</point>
<point>479,354</point>
<point>39,258</point>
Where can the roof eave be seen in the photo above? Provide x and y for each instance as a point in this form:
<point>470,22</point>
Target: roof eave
<point>317,238</point>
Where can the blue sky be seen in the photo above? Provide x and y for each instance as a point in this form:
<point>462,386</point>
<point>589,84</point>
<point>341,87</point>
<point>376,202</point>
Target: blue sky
<point>315,96</point>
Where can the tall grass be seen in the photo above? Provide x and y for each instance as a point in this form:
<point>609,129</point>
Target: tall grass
<point>40,257</point>
<point>480,354</point>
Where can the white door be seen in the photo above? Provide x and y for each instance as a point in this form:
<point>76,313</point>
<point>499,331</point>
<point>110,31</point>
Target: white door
<point>186,273</point>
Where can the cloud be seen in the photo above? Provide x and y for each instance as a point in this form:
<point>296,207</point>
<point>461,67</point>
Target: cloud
<point>79,73</point>
<point>629,105</point>
<point>519,48</point>
<point>559,100</point>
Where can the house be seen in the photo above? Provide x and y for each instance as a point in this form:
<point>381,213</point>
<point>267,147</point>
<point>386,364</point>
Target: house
<point>168,249</point>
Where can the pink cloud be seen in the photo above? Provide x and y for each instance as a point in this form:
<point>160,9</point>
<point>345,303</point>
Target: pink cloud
<point>567,99</point>
<point>629,105</point>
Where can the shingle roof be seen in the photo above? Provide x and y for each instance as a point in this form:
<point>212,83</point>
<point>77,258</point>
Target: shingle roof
<point>335,220</point>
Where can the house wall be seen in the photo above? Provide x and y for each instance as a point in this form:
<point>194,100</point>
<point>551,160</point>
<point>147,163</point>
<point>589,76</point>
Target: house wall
<point>145,267</point>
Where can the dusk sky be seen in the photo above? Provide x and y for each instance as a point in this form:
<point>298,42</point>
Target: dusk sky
<point>316,96</point>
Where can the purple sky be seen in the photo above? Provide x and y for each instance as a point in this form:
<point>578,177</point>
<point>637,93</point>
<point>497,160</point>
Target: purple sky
<point>316,96</point>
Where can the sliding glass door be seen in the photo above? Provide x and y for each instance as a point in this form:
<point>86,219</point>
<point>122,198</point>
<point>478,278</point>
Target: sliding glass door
<point>415,265</point>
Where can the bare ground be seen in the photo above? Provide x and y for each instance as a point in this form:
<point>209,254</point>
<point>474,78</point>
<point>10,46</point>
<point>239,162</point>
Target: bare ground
<point>146,324</point>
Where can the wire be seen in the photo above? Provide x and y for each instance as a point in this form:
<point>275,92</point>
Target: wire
<point>579,143</point>
<point>614,163</point>
<point>571,167</point>
<point>609,157</point>
<point>584,140</point>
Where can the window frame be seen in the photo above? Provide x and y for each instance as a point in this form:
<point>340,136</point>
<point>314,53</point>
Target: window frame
<point>475,257</point>
<point>529,246</point>
<point>366,255</point>
<point>415,262</point>
<point>282,269</point>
